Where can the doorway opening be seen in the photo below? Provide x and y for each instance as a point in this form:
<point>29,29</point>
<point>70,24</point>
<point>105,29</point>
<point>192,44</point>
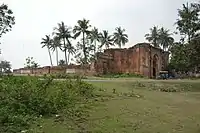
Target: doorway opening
<point>155,65</point>
<point>104,68</point>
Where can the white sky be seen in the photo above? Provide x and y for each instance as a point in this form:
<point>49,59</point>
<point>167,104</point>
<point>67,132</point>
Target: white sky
<point>36,18</point>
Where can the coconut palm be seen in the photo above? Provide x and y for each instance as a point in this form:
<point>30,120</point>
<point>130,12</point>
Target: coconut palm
<point>47,42</point>
<point>94,37</point>
<point>165,39</point>
<point>71,51</point>
<point>120,38</point>
<point>153,36</point>
<point>55,45</point>
<point>106,40</point>
<point>82,27</point>
<point>63,32</point>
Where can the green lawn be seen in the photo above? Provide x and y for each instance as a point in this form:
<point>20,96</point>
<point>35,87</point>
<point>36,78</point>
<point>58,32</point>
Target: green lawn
<point>139,106</point>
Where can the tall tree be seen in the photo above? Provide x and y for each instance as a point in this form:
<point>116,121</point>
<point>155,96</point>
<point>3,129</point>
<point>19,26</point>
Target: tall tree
<point>179,57</point>
<point>194,52</point>
<point>94,37</point>
<point>83,57</point>
<point>188,20</point>
<point>153,36</point>
<point>71,51</point>
<point>165,39</point>
<point>82,27</point>
<point>47,42</point>
<point>5,66</point>
<point>7,20</point>
<point>120,38</point>
<point>55,46</point>
<point>64,34</point>
<point>106,40</point>
<point>30,63</point>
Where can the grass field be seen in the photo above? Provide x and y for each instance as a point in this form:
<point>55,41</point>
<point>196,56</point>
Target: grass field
<point>128,106</point>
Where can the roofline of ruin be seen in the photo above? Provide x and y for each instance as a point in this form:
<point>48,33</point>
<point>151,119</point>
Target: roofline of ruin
<point>135,46</point>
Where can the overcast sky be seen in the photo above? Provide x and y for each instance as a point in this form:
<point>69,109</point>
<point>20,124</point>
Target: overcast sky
<point>36,18</point>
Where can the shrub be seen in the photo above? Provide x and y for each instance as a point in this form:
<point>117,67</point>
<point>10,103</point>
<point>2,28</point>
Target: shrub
<point>24,99</point>
<point>122,75</point>
<point>66,76</point>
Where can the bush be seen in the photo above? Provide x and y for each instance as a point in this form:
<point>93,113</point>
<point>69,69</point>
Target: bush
<point>24,99</point>
<point>66,76</point>
<point>122,75</point>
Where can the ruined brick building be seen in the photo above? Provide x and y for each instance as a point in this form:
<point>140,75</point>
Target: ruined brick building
<point>142,59</point>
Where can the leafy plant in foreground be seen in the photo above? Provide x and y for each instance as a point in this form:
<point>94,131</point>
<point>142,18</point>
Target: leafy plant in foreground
<point>24,99</point>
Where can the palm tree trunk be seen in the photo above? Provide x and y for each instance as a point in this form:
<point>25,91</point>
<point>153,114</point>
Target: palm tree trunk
<point>65,49</point>
<point>68,51</point>
<point>68,57</point>
<point>95,45</point>
<point>107,47</point>
<point>50,56</point>
<point>84,49</point>
<point>57,56</point>
<point>66,62</point>
<point>189,38</point>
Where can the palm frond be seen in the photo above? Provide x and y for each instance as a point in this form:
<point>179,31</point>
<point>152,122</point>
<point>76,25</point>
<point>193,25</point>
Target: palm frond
<point>77,34</point>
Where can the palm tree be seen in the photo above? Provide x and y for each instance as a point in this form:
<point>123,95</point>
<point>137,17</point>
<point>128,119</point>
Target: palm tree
<point>120,38</point>
<point>165,38</point>
<point>64,34</point>
<point>94,37</point>
<point>55,45</point>
<point>82,27</point>
<point>106,40</point>
<point>47,42</point>
<point>153,36</point>
<point>71,51</point>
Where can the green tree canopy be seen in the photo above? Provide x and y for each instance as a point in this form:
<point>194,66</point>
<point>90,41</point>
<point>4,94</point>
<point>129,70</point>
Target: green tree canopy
<point>106,40</point>
<point>83,27</point>
<point>30,63</point>
<point>94,38</point>
<point>48,42</point>
<point>165,39</point>
<point>5,66</point>
<point>153,36</point>
<point>188,20</point>
<point>64,33</point>
<point>7,20</point>
<point>120,38</point>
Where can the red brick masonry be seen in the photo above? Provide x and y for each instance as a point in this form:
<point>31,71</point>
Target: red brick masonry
<point>142,59</point>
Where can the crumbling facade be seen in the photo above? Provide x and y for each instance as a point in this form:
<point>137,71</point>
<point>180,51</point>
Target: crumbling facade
<point>141,59</point>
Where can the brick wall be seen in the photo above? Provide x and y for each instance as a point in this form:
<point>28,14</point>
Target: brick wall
<point>56,69</point>
<point>137,59</point>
